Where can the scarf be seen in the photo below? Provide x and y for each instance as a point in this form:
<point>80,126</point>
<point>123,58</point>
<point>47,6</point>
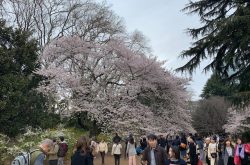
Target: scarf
<point>241,153</point>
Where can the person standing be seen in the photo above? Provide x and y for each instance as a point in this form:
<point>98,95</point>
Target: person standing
<point>162,142</point>
<point>239,152</point>
<point>177,141</point>
<point>183,146</point>
<point>63,149</point>
<point>116,138</point>
<point>131,152</point>
<point>103,149</point>
<point>38,156</point>
<point>228,153</point>
<point>126,143</point>
<point>192,151</point>
<point>221,148</point>
<point>116,151</point>
<point>213,151</point>
<point>207,142</point>
<point>153,154</point>
<point>200,147</point>
<point>52,154</point>
<point>82,154</point>
<point>174,155</point>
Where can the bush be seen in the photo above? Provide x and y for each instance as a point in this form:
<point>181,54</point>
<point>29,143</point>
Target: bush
<point>32,137</point>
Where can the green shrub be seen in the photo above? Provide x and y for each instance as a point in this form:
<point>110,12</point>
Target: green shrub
<point>31,139</point>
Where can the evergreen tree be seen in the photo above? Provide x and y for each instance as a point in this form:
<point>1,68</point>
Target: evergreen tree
<point>20,104</point>
<point>216,86</point>
<point>224,38</point>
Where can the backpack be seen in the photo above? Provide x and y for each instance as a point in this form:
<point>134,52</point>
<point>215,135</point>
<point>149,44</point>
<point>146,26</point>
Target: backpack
<point>22,159</point>
<point>63,148</point>
<point>25,158</point>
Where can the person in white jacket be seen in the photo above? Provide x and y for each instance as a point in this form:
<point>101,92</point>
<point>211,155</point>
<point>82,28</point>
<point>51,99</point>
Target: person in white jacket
<point>116,151</point>
<point>103,149</point>
<point>213,151</point>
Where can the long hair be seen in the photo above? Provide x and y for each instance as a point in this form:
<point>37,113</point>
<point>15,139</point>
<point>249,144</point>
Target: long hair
<point>131,140</point>
<point>228,140</point>
<point>82,145</point>
<point>176,151</point>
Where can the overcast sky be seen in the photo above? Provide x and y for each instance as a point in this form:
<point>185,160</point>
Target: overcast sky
<point>162,22</point>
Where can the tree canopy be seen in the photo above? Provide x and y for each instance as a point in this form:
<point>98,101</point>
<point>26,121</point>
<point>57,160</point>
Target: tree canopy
<point>119,85</point>
<point>224,38</point>
<point>20,104</point>
<point>216,86</point>
<point>210,115</point>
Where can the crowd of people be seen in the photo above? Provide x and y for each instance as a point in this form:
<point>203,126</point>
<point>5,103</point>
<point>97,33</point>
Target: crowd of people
<point>185,149</point>
<point>151,150</point>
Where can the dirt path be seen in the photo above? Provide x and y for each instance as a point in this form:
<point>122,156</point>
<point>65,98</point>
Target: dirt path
<point>109,160</point>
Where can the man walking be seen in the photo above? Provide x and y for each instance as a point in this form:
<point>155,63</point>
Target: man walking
<point>153,154</point>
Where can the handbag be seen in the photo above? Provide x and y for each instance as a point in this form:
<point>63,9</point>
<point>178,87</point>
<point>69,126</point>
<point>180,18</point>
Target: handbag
<point>237,160</point>
<point>214,155</point>
<point>199,162</point>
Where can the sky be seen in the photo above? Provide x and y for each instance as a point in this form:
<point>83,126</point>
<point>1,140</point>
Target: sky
<point>164,25</point>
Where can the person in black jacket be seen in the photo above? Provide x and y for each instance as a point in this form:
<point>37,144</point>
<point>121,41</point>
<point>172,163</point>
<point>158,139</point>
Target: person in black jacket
<point>143,143</point>
<point>162,142</point>
<point>117,138</point>
<point>82,153</point>
<point>153,154</point>
<point>192,151</point>
<point>177,141</point>
<point>183,146</point>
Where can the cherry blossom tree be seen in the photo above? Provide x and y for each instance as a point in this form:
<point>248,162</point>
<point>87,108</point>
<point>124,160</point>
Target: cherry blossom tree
<point>237,120</point>
<point>122,89</point>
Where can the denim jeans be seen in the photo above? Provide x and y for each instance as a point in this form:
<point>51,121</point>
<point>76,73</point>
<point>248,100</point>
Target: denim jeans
<point>60,161</point>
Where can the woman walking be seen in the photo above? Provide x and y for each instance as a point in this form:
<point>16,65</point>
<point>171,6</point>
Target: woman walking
<point>192,151</point>
<point>228,153</point>
<point>116,151</point>
<point>174,155</point>
<point>207,142</point>
<point>212,151</point>
<point>131,152</point>
<point>103,149</point>
<point>239,152</point>
<point>82,154</point>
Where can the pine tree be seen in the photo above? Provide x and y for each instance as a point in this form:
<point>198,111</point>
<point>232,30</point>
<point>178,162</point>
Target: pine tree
<point>224,38</point>
<point>216,86</point>
<point>20,104</point>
